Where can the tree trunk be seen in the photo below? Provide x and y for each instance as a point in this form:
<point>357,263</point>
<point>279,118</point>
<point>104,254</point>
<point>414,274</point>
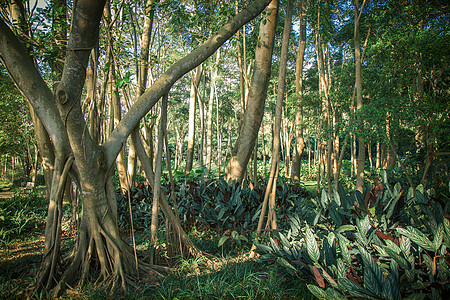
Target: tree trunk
<point>299,141</point>
<point>191,134</point>
<point>263,148</point>
<point>241,70</point>
<point>210,111</point>
<point>378,159</point>
<point>255,107</point>
<point>158,171</point>
<point>359,99</point>
<point>272,184</point>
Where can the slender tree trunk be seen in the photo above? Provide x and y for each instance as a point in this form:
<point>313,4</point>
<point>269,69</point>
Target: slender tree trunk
<point>241,69</point>
<point>369,153</point>
<point>253,115</point>
<point>271,185</point>
<point>263,148</point>
<point>359,99</point>
<point>191,135</point>
<point>158,171</point>
<point>219,139</point>
<point>378,159</point>
<point>210,111</point>
<point>299,141</point>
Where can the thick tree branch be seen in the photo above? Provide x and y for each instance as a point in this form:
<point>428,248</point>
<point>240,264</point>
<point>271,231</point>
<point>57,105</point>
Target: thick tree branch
<point>163,84</point>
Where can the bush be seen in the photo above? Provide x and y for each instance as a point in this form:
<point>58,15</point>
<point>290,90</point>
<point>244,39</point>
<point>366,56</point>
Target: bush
<point>211,204</point>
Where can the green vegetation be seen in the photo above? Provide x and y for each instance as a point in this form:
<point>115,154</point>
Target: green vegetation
<point>388,244</point>
<point>148,147</point>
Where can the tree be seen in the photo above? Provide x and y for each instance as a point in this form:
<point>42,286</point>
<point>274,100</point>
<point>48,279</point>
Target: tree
<point>237,166</point>
<point>272,183</point>
<point>299,141</point>
<point>77,153</point>
<point>359,99</point>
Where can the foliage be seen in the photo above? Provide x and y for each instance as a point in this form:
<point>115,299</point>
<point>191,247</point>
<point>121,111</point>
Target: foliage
<point>16,134</point>
<point>385,244</point>
<point>21,214</point>
<point>232,211</point>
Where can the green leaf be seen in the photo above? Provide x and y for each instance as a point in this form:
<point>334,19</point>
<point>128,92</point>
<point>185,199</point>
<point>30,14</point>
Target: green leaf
<point>372,265</point>
<point>353,289</point>
<point>333,294</point>
<point>402,262</point>
<point>417,237</point>
<point>343,242</point>
<point>286,265</point>
<point>337,197</point>
<point>243,238</point>
<point>324,199</point>
<point>405,245</point>
<point>419,188</point>
<point>341,269</point>
<point>344,228</point>
<point>439,235</point>
<point>370,282</point>
<point>410,194</point>
<point>311,246</point>
<point>428,262</point>
<point>222,240</point>
<point>390,288</point>
<point>397,188</point>
<point>415,296</point>
<point>317,291</point>
<point>333,214</point>
<point>393,246</point>
<point>391,206</point>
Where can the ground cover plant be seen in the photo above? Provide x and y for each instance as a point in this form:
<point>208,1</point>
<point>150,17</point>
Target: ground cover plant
<point>384,244</point>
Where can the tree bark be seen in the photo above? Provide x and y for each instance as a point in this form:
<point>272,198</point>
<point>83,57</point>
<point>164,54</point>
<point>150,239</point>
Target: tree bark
<point>255,107</point>
<point>359,99</point>
<point>191,133</point>
<point>271,186</point>
<point>299,140</point>
<point>210,110</point>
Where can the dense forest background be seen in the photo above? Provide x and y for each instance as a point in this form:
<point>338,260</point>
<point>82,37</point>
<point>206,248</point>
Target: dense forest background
<point>246,118</point>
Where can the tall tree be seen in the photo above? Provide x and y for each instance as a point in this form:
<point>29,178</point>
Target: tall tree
<point>195,81</point>
<point>245,143</point>
<point>299,141</point>
<point>272,183</point>
<point>212,93</point>
<point>359,100</point>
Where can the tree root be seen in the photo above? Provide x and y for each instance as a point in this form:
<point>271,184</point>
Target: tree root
<point>100,249</point>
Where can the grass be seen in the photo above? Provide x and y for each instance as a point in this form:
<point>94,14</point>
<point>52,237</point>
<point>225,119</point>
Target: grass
<point>237,278</point>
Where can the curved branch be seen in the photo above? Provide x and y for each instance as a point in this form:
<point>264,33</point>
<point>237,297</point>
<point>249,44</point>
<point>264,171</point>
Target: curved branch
<point>163,84</point>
